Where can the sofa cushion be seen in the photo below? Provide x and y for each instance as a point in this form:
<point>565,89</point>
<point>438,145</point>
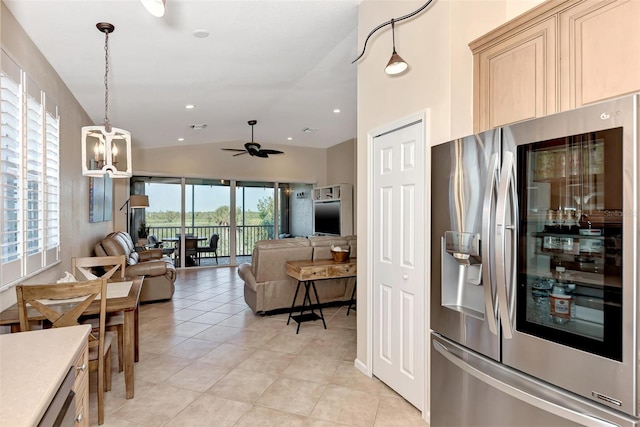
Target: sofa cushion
<point>322,245</point>
<point>270,257</point>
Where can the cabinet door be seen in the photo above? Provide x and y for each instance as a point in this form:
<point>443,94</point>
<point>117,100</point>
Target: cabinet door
<point>516,77</point>
<point>599,46</point>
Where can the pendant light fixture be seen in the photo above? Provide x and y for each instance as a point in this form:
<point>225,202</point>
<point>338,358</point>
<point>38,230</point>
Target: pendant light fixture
<point>105,148</point>
<point>396,64</point>
<point>154,7</point>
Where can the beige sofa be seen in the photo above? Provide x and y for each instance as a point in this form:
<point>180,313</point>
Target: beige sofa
<point>267,288</point>
<point>158,270</point>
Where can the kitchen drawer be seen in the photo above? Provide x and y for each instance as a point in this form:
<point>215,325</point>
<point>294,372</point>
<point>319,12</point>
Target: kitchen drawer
<point>81,365</point>
<point>82,408</point>
<point>81,387</point>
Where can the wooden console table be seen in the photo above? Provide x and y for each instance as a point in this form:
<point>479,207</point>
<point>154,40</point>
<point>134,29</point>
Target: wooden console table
<point>307,272</point>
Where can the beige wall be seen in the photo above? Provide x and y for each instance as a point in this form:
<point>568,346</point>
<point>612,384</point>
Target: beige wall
<point>74,192</point>
<point>297,164</point>
<point>341,164</point>
<point>440,80</point>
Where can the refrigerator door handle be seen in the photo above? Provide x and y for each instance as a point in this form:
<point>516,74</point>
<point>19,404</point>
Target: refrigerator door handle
<point>514,243</point>
<point>506,186</point>
<point>529,394</point>
<point>489,192</point>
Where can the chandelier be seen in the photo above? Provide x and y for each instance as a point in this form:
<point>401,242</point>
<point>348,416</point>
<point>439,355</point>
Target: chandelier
<point>106,148</point>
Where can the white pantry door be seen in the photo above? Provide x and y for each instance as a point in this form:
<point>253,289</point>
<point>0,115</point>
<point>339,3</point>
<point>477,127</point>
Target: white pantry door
<point>398,261</point>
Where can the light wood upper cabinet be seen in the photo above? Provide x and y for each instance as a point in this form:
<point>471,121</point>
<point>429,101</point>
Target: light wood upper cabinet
<point>558,56</point>
<point>517,77</point>
<point>600,50</point>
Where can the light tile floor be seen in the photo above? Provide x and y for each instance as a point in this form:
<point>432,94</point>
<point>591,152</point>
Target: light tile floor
<point>207,360</point>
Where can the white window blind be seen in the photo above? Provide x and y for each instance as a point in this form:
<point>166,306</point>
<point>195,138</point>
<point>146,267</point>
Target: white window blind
<point>33,178</point>
<point>11,166</point>
<point>30,168</point>
<point>52,179</point>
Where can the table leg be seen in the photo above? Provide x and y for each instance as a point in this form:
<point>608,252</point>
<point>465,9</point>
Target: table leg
<point>293,304</point>
<point>353,294</point>
<point>129,350</point>
<point>136,331</point>
<point>315,291</point>
<point>304,304</point>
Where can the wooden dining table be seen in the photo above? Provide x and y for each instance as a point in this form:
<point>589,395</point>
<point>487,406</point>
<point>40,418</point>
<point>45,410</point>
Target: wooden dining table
<point>128,304</point>
<point>176,241</point>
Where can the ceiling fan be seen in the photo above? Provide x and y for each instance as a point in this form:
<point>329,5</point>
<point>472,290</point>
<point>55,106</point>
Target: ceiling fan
<point>253,148</point>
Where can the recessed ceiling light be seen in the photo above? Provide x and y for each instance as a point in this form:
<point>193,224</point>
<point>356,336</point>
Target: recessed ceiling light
<point>201,34</point>
<point>180,139</point>
<point>189,106</point>
<point>289,139</point>
<point>336,110</point>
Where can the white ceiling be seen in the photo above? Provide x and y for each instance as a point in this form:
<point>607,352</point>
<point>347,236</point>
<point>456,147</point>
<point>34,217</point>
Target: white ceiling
<point>285,63</point>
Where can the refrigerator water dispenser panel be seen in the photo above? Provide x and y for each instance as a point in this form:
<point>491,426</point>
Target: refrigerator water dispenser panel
<point>462,274</point>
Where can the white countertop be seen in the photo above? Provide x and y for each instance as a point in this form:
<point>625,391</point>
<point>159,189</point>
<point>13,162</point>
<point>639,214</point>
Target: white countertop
<point>32,367</point>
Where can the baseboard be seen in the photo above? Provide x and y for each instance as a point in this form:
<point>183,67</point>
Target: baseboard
<point>361,367</point>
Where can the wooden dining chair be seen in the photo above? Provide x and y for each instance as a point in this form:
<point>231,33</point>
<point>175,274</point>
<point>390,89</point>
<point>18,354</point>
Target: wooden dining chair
<point>110,267</point>
<point>39,300</point>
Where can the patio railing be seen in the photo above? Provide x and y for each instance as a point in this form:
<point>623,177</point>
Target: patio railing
<point>246,236</point>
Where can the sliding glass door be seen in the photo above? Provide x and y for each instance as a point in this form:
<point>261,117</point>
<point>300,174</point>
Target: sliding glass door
<point>254,214</point>
<point>184,214</point>
<point>207,212</point>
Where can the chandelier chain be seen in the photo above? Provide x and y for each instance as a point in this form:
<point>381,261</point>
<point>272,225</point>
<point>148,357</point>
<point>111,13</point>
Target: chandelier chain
<point>107,125</point>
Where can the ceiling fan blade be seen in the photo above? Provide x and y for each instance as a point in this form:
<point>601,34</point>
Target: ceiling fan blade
<point>262,153</point>
<point>232,149</point>
<point>272,151</point>
<point>240,154</point>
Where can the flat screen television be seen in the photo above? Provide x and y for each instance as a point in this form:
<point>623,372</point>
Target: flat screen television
<point>326,217</point>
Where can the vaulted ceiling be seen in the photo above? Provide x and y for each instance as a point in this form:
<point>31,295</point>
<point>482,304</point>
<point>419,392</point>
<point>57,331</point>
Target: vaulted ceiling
<point>286,64</point>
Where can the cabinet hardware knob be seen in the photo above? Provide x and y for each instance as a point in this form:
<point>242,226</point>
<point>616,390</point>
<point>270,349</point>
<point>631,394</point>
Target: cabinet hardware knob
<point>79,417</point>
<point>405,277</point>
<point>82,367</point>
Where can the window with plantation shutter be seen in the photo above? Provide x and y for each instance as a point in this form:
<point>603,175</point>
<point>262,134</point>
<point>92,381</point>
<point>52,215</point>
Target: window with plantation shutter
<point>30,186</point>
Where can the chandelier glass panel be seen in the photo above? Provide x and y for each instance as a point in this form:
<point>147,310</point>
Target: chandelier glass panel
<point>106,149</point>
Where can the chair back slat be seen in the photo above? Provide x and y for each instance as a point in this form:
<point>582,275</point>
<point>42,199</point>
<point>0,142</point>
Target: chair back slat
<point>213,242</point>
<point>79,294</point>
<point>113,263</point>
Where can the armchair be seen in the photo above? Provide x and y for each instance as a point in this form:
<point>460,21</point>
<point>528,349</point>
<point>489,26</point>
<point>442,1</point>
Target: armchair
<point>158,270</point>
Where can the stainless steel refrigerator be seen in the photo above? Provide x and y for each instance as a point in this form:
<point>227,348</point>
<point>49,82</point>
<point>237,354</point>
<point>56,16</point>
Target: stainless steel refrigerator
<point>534,285</point>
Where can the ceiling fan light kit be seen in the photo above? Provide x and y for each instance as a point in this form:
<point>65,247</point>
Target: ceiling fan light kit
<point>105,147</point>
<point>253,148</point>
